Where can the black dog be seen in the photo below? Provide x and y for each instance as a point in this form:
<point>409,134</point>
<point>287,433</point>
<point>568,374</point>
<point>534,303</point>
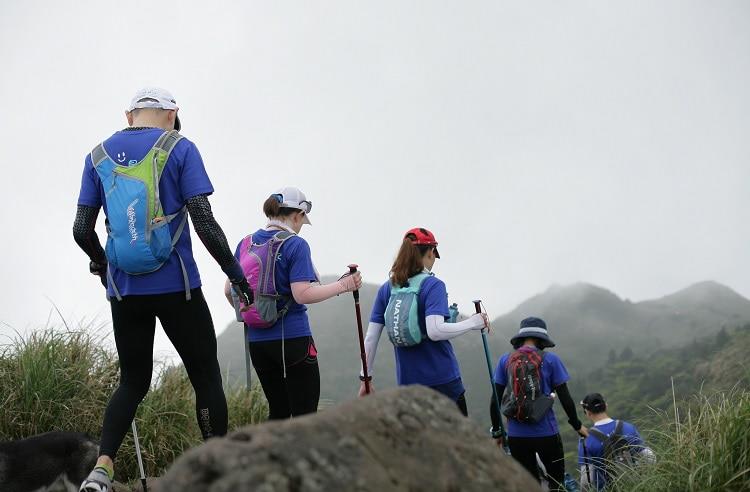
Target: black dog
<point>55,461</point>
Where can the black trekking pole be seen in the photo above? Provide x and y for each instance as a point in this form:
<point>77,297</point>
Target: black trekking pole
<point>363,355</point>
<point>138,455</point>
<point>495,398</point>
<point>586,463</point>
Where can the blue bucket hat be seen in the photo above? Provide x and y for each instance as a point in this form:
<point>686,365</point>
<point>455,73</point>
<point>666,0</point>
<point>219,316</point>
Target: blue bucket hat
<point>532,328</point>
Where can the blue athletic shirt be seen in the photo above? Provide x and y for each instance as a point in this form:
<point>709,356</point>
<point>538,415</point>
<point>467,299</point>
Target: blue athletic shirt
<point>293,264</point>
<point>595,449</point>
<point>553,375</point>
<point>429,363</point>
<point>184,177</point>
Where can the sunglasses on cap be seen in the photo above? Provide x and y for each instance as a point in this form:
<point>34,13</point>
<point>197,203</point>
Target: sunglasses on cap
<point>304,205</point>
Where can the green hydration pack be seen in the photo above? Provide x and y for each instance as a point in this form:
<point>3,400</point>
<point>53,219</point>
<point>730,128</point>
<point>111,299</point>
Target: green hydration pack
<point>138,237</point>
<point>401,313</point>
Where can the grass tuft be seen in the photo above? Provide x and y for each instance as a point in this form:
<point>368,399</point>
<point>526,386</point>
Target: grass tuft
<point>704,447</point>
<point>54,379</point>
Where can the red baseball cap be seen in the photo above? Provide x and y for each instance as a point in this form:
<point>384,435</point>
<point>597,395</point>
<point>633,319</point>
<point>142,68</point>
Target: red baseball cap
<point>422,236</point>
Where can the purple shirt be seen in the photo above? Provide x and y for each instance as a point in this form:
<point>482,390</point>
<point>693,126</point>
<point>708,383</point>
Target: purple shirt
<point>429,363</point>
<point>184,177</point>
<point>553,375</point>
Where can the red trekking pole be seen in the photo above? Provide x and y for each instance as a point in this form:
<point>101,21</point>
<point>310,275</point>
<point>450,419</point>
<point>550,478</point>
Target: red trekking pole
<point>352,270</point>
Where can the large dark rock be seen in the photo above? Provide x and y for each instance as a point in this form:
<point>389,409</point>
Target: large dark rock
<point>406,439</point>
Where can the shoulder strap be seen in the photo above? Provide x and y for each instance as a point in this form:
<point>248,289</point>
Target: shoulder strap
<point>618,428</point>
<point>599,435</point>
<point>98,154</point>
<point>167,141</point>
<point>416,281</point>
<point>283,235</point>
<point>510,356</point>
<point>246,243</point>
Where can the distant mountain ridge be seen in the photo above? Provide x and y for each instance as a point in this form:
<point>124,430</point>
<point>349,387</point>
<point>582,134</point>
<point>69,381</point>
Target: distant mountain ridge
<point>582,310</point>
<point>585,321</point>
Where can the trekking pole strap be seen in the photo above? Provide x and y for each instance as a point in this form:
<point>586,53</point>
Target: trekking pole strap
<point>112,283</point>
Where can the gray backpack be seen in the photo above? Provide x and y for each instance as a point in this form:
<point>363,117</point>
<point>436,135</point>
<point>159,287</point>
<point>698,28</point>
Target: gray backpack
<point>401,313</point>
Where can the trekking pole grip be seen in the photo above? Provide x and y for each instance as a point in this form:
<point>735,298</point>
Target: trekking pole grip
<point>353,270</point>
<point>478,309</point>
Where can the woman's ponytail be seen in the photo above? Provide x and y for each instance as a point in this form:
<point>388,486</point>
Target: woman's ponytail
<point>408,261</point>
<point>272,207</point>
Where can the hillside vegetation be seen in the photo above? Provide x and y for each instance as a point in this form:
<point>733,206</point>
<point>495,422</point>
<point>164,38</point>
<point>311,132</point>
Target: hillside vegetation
<point>62,379</point>
<point>641,383</point>
<point>705,448</point>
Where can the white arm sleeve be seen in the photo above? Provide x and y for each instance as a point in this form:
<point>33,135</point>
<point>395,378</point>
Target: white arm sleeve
<point>438,329</point>
<point>371,346</point>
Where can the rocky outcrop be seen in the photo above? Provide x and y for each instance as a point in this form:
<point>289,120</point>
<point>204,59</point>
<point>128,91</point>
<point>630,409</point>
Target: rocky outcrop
<point>406,439</point>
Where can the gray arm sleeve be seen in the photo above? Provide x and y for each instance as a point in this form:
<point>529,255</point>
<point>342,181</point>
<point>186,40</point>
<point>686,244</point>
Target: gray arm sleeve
<point>212,237</point>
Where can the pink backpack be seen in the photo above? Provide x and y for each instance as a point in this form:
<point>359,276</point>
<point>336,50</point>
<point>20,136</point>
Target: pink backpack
<point>258,262</point>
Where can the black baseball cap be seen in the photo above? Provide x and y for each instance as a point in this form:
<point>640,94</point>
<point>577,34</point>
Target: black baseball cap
<point>594,402</point>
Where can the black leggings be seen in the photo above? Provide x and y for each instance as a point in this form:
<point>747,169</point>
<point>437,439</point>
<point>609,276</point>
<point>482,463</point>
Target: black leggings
<point>190,329</point>
<point>550,450</point>
<point>461,402</point>
<point>297,393</point>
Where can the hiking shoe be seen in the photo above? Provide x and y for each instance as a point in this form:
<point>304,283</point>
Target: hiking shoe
<point>97,481</point>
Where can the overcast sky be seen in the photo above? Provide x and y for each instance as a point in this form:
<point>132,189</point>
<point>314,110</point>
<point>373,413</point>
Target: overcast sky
<point>542,142</point>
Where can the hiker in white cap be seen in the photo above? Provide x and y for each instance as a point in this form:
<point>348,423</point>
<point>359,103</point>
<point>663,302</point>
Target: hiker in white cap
<point>147,178</point>
<point>278,264</point>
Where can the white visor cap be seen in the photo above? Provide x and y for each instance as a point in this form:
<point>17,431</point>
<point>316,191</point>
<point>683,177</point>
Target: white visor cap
<point>291,197</point>
<point>153,97</point>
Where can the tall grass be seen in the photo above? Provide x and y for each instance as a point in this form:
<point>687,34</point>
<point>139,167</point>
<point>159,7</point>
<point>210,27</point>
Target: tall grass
<point>62,380</point>
<point>704,447</point>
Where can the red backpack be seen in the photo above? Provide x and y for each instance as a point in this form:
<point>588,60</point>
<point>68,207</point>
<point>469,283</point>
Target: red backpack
<point>523,399</point>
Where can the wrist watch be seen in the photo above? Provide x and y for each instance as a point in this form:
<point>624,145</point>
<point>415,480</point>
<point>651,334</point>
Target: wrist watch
<point>496,433</point>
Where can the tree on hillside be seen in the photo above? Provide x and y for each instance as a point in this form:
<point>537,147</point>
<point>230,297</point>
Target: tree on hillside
<point>612,358</point>
<point>721,338</point>
<point>626,354</point>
